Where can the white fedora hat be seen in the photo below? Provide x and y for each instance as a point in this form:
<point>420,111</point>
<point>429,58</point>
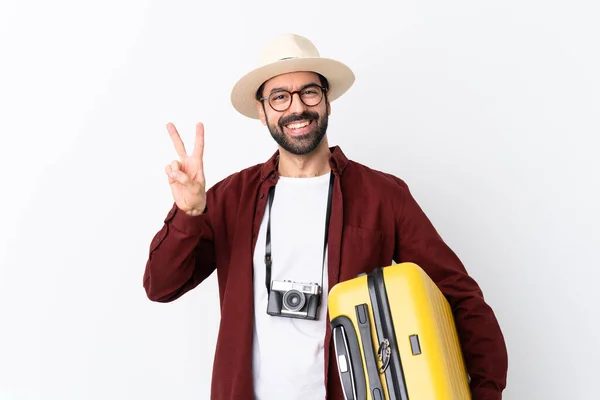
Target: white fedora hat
<point>289,53</point>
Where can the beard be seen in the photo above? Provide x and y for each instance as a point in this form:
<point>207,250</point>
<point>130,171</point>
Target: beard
<point>300,145</point>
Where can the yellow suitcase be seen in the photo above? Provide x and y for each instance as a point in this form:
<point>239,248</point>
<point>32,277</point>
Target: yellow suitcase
<point>395,339</point>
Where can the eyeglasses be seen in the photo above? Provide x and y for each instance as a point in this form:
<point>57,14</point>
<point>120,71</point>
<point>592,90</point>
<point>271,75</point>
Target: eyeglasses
<point>281,100</point>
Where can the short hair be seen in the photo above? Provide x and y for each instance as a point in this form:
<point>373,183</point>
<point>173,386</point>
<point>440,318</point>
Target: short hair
<point>324,83</point>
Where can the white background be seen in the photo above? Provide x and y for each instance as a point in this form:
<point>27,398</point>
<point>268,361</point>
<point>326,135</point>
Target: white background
<point>489,111</point>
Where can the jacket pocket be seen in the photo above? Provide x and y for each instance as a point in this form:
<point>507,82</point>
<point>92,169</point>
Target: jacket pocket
<point>362,250</point>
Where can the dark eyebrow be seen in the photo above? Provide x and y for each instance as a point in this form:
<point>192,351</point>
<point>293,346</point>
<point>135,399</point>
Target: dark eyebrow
<point>279,89</point>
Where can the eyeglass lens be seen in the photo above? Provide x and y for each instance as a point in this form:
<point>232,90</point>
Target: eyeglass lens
<point>281,100</point>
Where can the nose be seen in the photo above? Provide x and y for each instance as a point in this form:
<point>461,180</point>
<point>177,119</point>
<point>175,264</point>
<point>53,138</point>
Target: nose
<point>297,106</point>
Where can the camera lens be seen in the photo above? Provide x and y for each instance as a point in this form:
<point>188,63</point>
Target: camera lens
<point>293,300</point>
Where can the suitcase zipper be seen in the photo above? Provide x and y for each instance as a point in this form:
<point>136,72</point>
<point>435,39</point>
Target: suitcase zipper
<point>386,337</point>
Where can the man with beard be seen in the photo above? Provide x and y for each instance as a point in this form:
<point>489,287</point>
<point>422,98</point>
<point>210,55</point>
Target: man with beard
<point>305,219</point>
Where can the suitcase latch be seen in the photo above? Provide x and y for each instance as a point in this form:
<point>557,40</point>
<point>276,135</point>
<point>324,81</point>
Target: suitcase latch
<point>383,353</point>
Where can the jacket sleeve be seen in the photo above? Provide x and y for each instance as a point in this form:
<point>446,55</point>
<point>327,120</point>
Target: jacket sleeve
<point>181,255</point>
<point>481,338</point>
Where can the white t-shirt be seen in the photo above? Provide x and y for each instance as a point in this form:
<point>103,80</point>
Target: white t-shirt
<point>288,353</point>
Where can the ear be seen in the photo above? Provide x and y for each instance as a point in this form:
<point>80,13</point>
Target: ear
<point>328,107</point>
<point>261,112</point>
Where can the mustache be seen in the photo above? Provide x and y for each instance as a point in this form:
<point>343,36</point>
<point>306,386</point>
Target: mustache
<point>306,115</point>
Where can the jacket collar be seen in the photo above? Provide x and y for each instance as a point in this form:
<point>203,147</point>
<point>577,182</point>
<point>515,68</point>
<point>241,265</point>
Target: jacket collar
<point>337,161</point>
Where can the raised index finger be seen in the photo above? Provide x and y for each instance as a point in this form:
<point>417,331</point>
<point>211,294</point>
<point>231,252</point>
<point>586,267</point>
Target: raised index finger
<point>179,147</point>
<point>199,143</point>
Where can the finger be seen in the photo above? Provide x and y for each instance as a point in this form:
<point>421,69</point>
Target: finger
<point>168,171</point>
<point>181,177</point>
<point>173,168</point>
<point>179,146</point>
<point>199,143</point>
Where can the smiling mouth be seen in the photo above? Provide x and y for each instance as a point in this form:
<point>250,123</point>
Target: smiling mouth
<point>298,124</point>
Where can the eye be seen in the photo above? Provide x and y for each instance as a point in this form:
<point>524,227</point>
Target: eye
<point>279,97</point>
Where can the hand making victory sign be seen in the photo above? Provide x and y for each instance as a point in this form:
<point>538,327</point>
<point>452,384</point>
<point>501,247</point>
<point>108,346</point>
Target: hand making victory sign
<point>186,176</point>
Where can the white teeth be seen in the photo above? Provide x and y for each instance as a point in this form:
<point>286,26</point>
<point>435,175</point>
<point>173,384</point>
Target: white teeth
<point>298,125</point>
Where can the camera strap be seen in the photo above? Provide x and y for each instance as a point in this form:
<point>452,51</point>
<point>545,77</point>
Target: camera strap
<point>268,259</point>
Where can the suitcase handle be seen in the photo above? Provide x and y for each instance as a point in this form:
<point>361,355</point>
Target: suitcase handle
<point>349,360</point>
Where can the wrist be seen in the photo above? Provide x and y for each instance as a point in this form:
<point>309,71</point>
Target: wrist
<point>195,212</point>
<point>190,222</point>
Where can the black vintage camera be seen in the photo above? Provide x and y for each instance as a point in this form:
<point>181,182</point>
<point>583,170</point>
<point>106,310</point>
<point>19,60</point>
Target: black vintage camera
<point>294,299</point>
